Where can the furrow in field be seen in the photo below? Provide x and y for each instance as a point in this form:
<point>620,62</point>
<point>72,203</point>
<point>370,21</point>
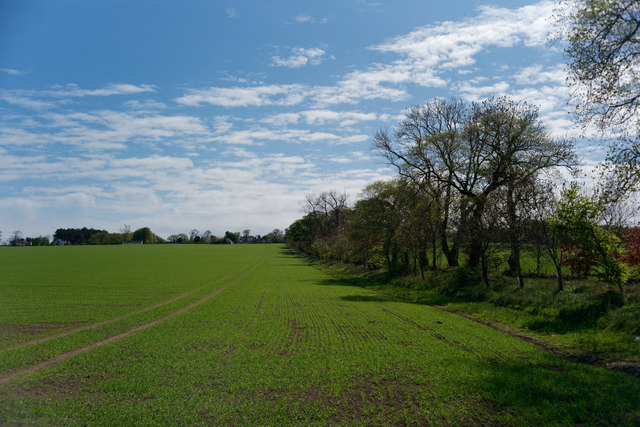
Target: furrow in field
<point>428,330</point>
<point>118,318</point>
<point>64,356</point>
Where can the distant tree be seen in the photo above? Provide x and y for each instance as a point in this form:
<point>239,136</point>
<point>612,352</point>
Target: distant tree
<point>379,214</point>
<point>193,234</point>
<point>301,233</point>
<point>75,236</point>
<point>233,237</point>
<point>206,236</point>
<point>328,210</point>
<point>105,238</point>
<point>125,231</point>
<point>145,235</point>
<point>40,241</point>
<point>16,239</point>
<point>246,236</point>
<point>278,235</point>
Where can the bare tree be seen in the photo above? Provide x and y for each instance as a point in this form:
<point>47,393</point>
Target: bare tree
<point>126,233</point>
<point>543,205</point>
<point>16,238</point>
<point>474,150</point>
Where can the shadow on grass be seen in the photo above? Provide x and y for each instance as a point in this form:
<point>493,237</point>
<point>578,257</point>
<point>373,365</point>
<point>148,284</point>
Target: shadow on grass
<point>555,390</point>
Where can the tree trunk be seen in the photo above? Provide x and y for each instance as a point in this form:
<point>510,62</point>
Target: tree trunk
<point>514,264</point>
<point>422,261</point>
<point>475,226</point>
<point>558,267</point>
<point>451,253</point>
<point>433,253</point>
<point>485,269</point>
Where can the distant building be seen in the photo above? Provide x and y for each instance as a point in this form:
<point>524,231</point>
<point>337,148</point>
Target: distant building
<point>60,242</point>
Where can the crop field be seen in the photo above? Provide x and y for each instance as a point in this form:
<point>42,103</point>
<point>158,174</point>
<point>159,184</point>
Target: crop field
<point>251,334</point>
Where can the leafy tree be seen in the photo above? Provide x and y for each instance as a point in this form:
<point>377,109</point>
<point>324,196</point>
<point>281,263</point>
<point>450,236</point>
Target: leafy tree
<point>246,236</point>
<point>301,233</point>
<point>105,238</point>
<point>233,237</point>
<point>145,235</point>
<point>278,235</point>
<point>473,149</point>
<point>379,215</point>
<point>603,56</point>
<point>577,219</point>
<point>40,241</point>
<point>76,236</point>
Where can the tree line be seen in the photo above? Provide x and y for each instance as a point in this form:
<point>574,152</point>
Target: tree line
<point>91,236</point>
<point>472,179</point>
<point>476,177</point>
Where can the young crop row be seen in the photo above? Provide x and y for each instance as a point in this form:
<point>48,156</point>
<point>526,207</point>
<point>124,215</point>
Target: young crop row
<point>284,343</point>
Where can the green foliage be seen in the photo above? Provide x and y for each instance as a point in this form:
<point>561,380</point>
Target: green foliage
<point>76,236</point>
<point>603,58</point>
<point>40,241</point>
<point>233,237</point>
<point>105,238</point>
<point>144,235</point>
<point>577,220</point>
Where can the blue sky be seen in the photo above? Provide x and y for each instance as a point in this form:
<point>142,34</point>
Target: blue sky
<point>225,115</point>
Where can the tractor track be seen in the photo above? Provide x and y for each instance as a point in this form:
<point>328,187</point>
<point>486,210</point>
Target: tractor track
<point>12,376</point>
<point>109,321</point>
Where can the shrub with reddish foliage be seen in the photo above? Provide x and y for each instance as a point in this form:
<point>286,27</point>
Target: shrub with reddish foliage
<point>579,261</point>
<point>631,245</point>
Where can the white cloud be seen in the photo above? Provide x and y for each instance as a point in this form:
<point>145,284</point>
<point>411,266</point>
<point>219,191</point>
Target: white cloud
<point>11,71</point>
<point>535,74</point>
<point>146,105</point>
<point>306,19</point>
<point>254,96</point>
<point>300,57</point>
<point>73,90</point>
<point>14,98</point>
<point>426,58</point>
<point>231,12</point>
<point>320,117</point>
<point>104,130</point>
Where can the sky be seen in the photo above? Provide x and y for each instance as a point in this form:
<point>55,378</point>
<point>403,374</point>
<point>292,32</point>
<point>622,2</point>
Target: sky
<point>225,115</point>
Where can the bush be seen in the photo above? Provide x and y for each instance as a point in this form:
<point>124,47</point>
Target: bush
<point>625,319</point>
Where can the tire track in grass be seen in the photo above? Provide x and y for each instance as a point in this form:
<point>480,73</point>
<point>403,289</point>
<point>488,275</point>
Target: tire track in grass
<point>430,331</point>
<point>64,356</point>
<point>115,319</point>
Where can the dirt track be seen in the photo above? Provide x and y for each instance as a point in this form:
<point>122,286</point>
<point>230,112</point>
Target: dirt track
<point>5,379</point>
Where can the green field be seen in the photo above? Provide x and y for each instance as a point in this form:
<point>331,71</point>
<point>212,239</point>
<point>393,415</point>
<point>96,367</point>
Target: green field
<point>251,334</point>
